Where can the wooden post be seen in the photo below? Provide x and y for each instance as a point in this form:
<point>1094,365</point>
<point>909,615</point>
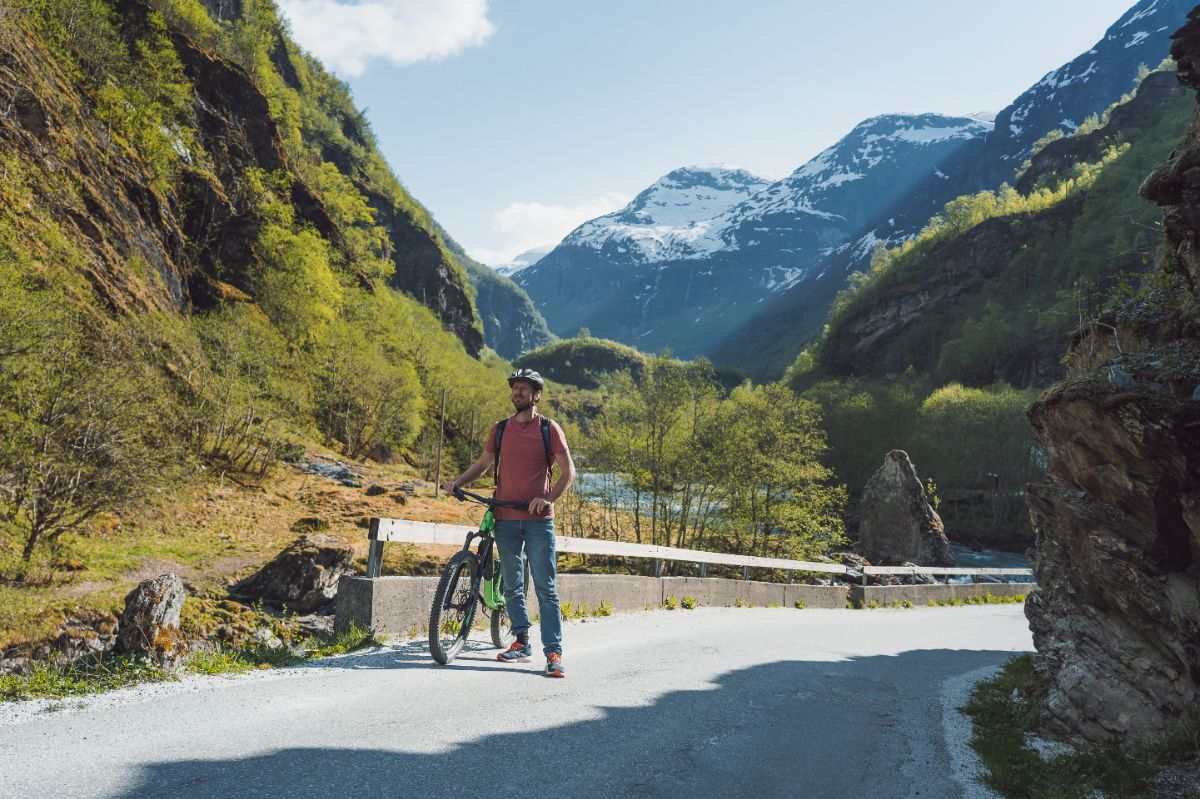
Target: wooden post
<point>745,572</point>
<point>375,553</point>
<point>703,569</point>
<point>437,483</point>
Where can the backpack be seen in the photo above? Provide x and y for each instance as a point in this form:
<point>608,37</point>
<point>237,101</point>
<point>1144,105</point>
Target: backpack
<point>500,438</point>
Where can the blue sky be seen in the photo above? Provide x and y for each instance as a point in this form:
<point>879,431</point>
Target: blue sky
<point>514,121</point>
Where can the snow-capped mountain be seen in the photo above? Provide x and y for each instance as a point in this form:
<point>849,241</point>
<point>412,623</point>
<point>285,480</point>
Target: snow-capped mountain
<point>676,217</point>
<point>685,266</point>
<point>527,258</point>
<point>1092,81</point>
<point>1062,99</point>
<point>706,243</point>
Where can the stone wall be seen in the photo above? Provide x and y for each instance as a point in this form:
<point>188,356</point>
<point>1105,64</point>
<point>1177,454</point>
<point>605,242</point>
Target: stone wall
<point>399,606</point>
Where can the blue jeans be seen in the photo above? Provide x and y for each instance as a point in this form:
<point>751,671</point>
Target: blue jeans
<point>531,539</point>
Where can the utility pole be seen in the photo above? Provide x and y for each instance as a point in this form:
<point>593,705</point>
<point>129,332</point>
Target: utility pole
<point>437,485</point>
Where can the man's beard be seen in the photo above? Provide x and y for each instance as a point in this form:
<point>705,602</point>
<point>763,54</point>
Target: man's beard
<point>521,405</point>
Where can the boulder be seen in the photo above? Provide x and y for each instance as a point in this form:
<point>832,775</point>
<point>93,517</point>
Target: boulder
<point>149,625</point>
<point>898,524</point>
<point>304,576</point>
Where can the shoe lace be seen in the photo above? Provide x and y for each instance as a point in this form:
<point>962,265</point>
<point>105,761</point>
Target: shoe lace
<point>516,646</point>
<point>554,658</point>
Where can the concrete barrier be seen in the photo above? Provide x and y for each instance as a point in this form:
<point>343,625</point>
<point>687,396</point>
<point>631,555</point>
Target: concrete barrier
<point>399,606</point>
<point>886,595</point>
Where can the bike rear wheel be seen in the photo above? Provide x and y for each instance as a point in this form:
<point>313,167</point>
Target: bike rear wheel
<point>502,634</point>
<point>454,604</point>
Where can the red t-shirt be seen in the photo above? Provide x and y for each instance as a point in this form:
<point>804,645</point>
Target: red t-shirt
<point>523,470</point>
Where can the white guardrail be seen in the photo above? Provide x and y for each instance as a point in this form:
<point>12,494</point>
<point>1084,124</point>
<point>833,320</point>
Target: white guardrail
<point>384,530</point>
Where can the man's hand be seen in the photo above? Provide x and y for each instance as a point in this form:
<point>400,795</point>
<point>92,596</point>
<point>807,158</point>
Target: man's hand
<point>540,505</point>
<point>449,488</point>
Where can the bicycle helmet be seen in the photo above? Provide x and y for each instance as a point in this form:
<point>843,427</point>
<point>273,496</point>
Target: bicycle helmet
<point>528,375</point>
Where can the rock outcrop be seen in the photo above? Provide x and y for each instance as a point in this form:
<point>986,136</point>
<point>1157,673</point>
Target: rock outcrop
<point>149,625</point>
<point>304,576</point>
<point>898,524</point>
<point>1116,618</point>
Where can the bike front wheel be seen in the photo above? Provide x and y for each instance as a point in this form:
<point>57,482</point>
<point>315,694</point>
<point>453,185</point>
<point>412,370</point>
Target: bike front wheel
<point>454,604</point>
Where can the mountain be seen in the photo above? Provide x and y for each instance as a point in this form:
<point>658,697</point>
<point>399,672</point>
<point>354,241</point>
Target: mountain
<point>511,324</point>
<point>523,260</point>
<point>1061,101</point>
<point>688,259</point>
<point>679,216</point>
<point>995,296</point>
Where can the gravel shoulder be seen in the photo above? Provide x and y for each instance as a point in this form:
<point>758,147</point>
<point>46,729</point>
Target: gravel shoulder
<point>750,701</point>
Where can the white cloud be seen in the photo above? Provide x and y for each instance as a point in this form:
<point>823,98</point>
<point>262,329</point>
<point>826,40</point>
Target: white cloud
<point>526,226</point>
<point>346,36</point>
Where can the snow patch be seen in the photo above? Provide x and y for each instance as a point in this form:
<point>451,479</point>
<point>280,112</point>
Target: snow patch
<point>1137,39</point>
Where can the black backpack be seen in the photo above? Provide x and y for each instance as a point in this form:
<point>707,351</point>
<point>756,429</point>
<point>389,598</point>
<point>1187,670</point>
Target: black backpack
<point>545,441</point>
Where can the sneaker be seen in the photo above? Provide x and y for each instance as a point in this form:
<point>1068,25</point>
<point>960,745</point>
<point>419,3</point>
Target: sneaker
<point>554,666</point>
<point>516,653</point>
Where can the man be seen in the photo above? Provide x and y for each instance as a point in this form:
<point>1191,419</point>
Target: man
<point>524,451</point>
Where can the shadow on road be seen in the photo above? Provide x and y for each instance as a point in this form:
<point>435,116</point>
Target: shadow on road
<point>476,655</point>
<point>863,727</point>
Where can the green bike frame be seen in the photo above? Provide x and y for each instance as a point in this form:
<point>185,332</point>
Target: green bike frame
<point>491,588</point>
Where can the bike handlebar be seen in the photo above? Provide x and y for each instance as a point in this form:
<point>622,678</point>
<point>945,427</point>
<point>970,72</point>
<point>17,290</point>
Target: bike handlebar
<point>491,502</point>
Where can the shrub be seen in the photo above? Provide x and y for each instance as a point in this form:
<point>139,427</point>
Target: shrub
<point>688,602</point>
<point>81,424</point>
<point>671,603</point>
<point>800,604</point>
<point>604,608</point>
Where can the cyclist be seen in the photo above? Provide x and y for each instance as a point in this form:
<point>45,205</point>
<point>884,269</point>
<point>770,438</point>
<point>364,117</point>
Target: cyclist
<point>525,444</point>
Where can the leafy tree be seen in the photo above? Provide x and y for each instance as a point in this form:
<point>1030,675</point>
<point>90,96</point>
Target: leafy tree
<point>367,400</point>
<point>80,426</point>
<point>780,498</point>
<point>249,395</point>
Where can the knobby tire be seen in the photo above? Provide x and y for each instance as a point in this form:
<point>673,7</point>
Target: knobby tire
<point>456,582</point>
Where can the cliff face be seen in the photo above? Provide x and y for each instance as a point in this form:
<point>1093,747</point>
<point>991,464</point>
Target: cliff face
<point>985,304</point>
<point>1116,619</point>
<point>197,235</point>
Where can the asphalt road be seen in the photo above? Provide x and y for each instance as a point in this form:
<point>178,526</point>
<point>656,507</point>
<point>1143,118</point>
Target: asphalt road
<point>722,701</point>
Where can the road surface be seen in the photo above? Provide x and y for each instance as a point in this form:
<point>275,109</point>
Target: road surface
<point>714,701</point>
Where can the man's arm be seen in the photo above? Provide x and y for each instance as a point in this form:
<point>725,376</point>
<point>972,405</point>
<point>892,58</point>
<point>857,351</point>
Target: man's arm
<point>566,476</point>
<point>472,473</point>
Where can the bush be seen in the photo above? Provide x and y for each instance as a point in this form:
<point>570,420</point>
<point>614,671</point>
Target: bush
<point>82,426</point>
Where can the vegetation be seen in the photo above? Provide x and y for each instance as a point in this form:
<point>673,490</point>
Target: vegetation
<point>100,403</point>
<point>973,443</point>
<point>585,362</point>
<point>1005,710</point>
<point>684,464</point>
<point>1051,251</point>
<point>91,676</point>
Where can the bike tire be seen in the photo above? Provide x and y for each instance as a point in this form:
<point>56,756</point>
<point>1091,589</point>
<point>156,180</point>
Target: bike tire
<point>502,634</point>
<point>449,626</point>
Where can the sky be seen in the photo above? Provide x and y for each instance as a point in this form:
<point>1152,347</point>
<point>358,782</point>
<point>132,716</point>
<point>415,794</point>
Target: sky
<point>515,121</point>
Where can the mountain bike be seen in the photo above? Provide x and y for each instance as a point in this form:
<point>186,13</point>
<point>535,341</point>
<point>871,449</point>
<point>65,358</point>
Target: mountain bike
<point>470,579</point>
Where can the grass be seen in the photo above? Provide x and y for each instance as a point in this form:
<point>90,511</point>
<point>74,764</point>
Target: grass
<point>46,680</point>
<point>688,603</point>
<point>671,603</point>
<point>1006,707</point>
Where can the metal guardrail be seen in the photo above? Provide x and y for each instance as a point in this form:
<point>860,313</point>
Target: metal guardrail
<point>384,530</point>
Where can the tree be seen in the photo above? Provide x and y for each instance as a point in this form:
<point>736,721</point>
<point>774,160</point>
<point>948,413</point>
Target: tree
<point>781,501</point>
<point>81,427</point>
